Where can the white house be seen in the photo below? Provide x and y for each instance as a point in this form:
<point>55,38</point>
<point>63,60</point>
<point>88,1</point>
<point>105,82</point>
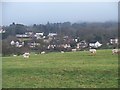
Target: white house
<point>66,45</point>
<point>33,44</point>
<point>22,36</point>
<point>114,41</point>
<point>38,35</point>
<point>82,44</point>
<point>17,44</point>
<point>95,45</point>
<point>2,31</point>
<point>12,42</point>
<point>28,33</point>
<point>76,40</point>
<point>52,34</point>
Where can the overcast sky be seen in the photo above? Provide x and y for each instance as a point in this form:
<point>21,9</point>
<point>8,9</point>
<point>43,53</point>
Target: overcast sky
<point>41,12</point>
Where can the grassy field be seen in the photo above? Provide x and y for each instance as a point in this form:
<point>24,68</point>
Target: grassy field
<point>64,70</point>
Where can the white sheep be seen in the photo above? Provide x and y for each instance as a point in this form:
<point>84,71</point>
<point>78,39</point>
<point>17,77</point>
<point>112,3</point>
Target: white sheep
<point>14,55</point>
<point>43,52</point>
<point>115,51</point>
<point>26,55</point>
<point>93,51</point>
<point>62,51</point>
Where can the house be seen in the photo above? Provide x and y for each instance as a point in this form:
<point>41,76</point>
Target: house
<point>22,36</point>
<point>28,33</point>
<point>33,44</point>
<point>65,37</point>
<point>66,45</point>
<point>25,35</point>
<point>52,34</point>
<point>114,41</point>
<point>51,46</point>
<point>76,40</point>
<point>17,43</point>
<point>95,44</point>
<point>82,44</point>
<point>38,35</point>
<point>12,43</point>
<point>2,31</point>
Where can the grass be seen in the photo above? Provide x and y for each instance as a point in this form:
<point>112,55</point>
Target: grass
<point>62,70</point>
<point>24,39</point>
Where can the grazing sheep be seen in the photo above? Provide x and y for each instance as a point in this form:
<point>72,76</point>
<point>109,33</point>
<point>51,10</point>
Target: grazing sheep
<point>35,54</point>
<point>26,55</point>
<point>43,52</point>
<point>14,55</point>
<point>115,51</point>
<point>62,51</point>
<point>93,51</point>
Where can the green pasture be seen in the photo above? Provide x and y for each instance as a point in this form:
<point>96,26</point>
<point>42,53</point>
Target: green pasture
<point>61,70</point>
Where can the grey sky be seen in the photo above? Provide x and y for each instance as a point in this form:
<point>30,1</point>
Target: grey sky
<point>39,12</point>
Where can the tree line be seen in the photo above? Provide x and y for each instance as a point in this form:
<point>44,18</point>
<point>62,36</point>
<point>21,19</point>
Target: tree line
<point>85,31</point>
<point>89,32</point>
